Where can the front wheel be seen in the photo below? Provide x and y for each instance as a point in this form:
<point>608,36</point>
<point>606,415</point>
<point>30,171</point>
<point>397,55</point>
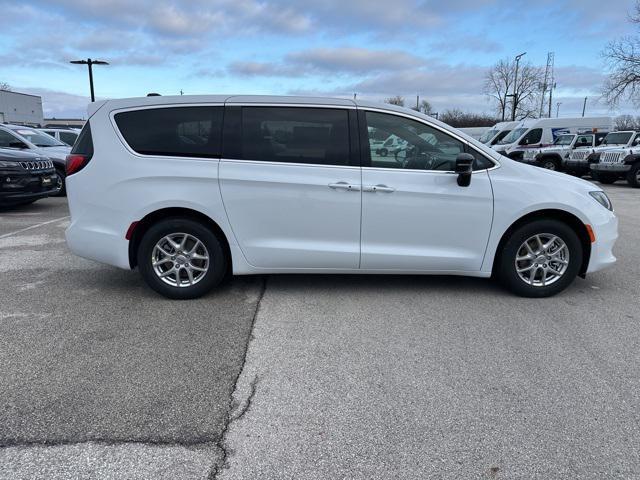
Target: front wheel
<point>181,258</point>
<point>60,190</point>
<point>549,165</point>
<point>605,178</point>
<point>540,259</point>
<point>633,177</point>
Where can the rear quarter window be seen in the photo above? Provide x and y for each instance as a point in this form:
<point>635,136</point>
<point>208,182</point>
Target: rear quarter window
<point>173,131</point>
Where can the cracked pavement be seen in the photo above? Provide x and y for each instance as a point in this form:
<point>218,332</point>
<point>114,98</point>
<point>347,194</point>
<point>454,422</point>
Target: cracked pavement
<point>312,377</point>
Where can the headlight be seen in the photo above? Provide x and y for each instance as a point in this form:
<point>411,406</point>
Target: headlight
<point>602,199</point>
<point>7,164</point>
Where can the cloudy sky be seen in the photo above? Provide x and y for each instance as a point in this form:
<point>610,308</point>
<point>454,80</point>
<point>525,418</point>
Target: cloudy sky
<point>440,49</point>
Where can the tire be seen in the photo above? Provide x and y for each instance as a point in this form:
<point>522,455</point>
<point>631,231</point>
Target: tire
<point>633,176</point>
<point>384,152</point>
<point>549,164</point>
<point>62,192</point>
<point>513,248</point>
<point>210,273</point>
<point>605,178</point>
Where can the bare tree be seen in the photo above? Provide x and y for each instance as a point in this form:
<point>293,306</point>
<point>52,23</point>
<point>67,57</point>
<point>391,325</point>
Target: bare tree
<point>627,122</point>
<point>459,119</point>
<point>397,100</point>
<point>499,86</point>
<point>622,56</point>
<point>5,86</point>
<point>425,107</point>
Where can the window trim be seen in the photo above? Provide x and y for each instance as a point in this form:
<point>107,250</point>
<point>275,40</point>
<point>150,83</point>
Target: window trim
<point>126,145</point>
<point>366,152</point>
<point>232,137</point>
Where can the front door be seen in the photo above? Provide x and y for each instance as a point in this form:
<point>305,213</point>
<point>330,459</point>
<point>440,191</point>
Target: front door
<point>415,217</point>
<point>292,189</point>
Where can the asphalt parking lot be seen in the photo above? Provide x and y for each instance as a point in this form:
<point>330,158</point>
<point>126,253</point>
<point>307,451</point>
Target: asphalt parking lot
<point>312,377</point>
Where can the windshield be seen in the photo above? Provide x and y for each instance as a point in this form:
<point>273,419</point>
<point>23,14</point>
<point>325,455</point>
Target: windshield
<point>564,140</point>
<point>488,135</point>
<point>513,136</point>
<point>618,138</point>
<point>39,139</point>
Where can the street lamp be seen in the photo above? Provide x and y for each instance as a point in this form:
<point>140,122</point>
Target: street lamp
<point>90,63</point>
<point>515,87</point>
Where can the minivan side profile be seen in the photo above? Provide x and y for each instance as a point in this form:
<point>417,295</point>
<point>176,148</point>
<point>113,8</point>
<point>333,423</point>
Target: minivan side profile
<point>191,189</point>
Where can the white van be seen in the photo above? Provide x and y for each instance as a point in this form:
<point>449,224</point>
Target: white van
<point>543,132</point>
<point>497,132</point>
<point>192,188</point>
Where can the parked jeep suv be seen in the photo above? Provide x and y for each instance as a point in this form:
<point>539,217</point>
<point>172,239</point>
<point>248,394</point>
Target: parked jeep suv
<point>25,177</point>
<point>189,189</point>
<point>618,164</point>
<point>555,156</point>
<point>34,141</point>
<point>580,159</point>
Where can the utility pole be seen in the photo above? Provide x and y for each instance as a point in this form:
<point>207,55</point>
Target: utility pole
<point>417,103</point>
<point>584,105</point>
<point>515,87</point>
<point>558,109</point>
<point>90,63</point>
<point>548,82</point>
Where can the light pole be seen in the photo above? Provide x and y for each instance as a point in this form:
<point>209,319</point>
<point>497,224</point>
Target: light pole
<point>515,87</point>
<point>558,109</point>
<point>90,63</point>
<point>584,105</point>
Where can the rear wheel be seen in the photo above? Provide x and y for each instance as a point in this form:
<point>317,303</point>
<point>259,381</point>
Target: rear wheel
<point>633,177</point>
<point>181,258</point>
<point>540,259</point>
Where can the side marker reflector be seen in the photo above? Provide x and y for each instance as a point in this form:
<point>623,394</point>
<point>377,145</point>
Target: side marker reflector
<point>592,236</point>
<point>130,230</point>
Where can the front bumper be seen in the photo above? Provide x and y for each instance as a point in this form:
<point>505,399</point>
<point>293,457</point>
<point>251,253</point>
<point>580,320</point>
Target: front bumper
<point>18,186</point>
<point>610,167</point>
<point>576,166</point>
<point>606,233</point>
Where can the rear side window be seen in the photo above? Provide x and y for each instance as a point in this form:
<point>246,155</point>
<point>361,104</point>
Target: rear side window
<point>174,131</point>
<point>68,137</point>
<point>84,143</point>
<point>296,135</point>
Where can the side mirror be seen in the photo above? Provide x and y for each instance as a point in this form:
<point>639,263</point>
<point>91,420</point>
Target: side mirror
<point>464,168</point>
<point>19,145</point>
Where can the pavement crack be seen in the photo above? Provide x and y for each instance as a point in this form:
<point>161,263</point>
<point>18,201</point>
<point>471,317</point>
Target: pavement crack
<point>236,411</point>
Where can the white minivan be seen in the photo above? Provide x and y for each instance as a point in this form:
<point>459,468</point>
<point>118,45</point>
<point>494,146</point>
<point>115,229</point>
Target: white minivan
<point>543,132</point>
<point>191,189</point>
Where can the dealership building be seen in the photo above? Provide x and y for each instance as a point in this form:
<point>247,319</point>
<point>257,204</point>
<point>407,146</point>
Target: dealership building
<point>20,108</point>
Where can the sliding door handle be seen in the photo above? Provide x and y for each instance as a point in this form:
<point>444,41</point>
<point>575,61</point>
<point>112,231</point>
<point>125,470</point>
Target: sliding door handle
<point>344,186</point>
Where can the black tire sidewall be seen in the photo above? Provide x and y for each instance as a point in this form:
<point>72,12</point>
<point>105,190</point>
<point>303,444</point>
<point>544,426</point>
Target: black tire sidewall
<point>506,264</point>
<point>632,178</point>
<point>63,191</point>
<point>550,162</point>
<point>217,262</point>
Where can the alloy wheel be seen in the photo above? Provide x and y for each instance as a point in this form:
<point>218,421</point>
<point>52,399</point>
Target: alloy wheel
<point>542,260</point>
<point>180,260</point>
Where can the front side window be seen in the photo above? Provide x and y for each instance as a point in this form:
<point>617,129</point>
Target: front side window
<point>296,135</point>
<point>532,137</point>
<point>584,141</point>
<point>173,131</point>
<point>417,146</point>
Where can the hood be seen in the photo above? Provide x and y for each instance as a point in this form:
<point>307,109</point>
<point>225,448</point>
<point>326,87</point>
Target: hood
<point>12,155</point>
<point>59,153</point>
<point>544,176</point>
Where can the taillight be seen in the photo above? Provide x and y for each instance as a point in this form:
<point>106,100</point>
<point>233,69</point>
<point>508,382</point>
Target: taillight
<point>76,162</point>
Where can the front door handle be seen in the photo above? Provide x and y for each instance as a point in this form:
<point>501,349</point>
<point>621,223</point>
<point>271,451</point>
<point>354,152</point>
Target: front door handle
<point>344,186</point>
<point>378,188</point>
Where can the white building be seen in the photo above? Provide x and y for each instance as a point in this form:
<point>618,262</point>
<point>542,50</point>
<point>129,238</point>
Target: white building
<point>20,108</point>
